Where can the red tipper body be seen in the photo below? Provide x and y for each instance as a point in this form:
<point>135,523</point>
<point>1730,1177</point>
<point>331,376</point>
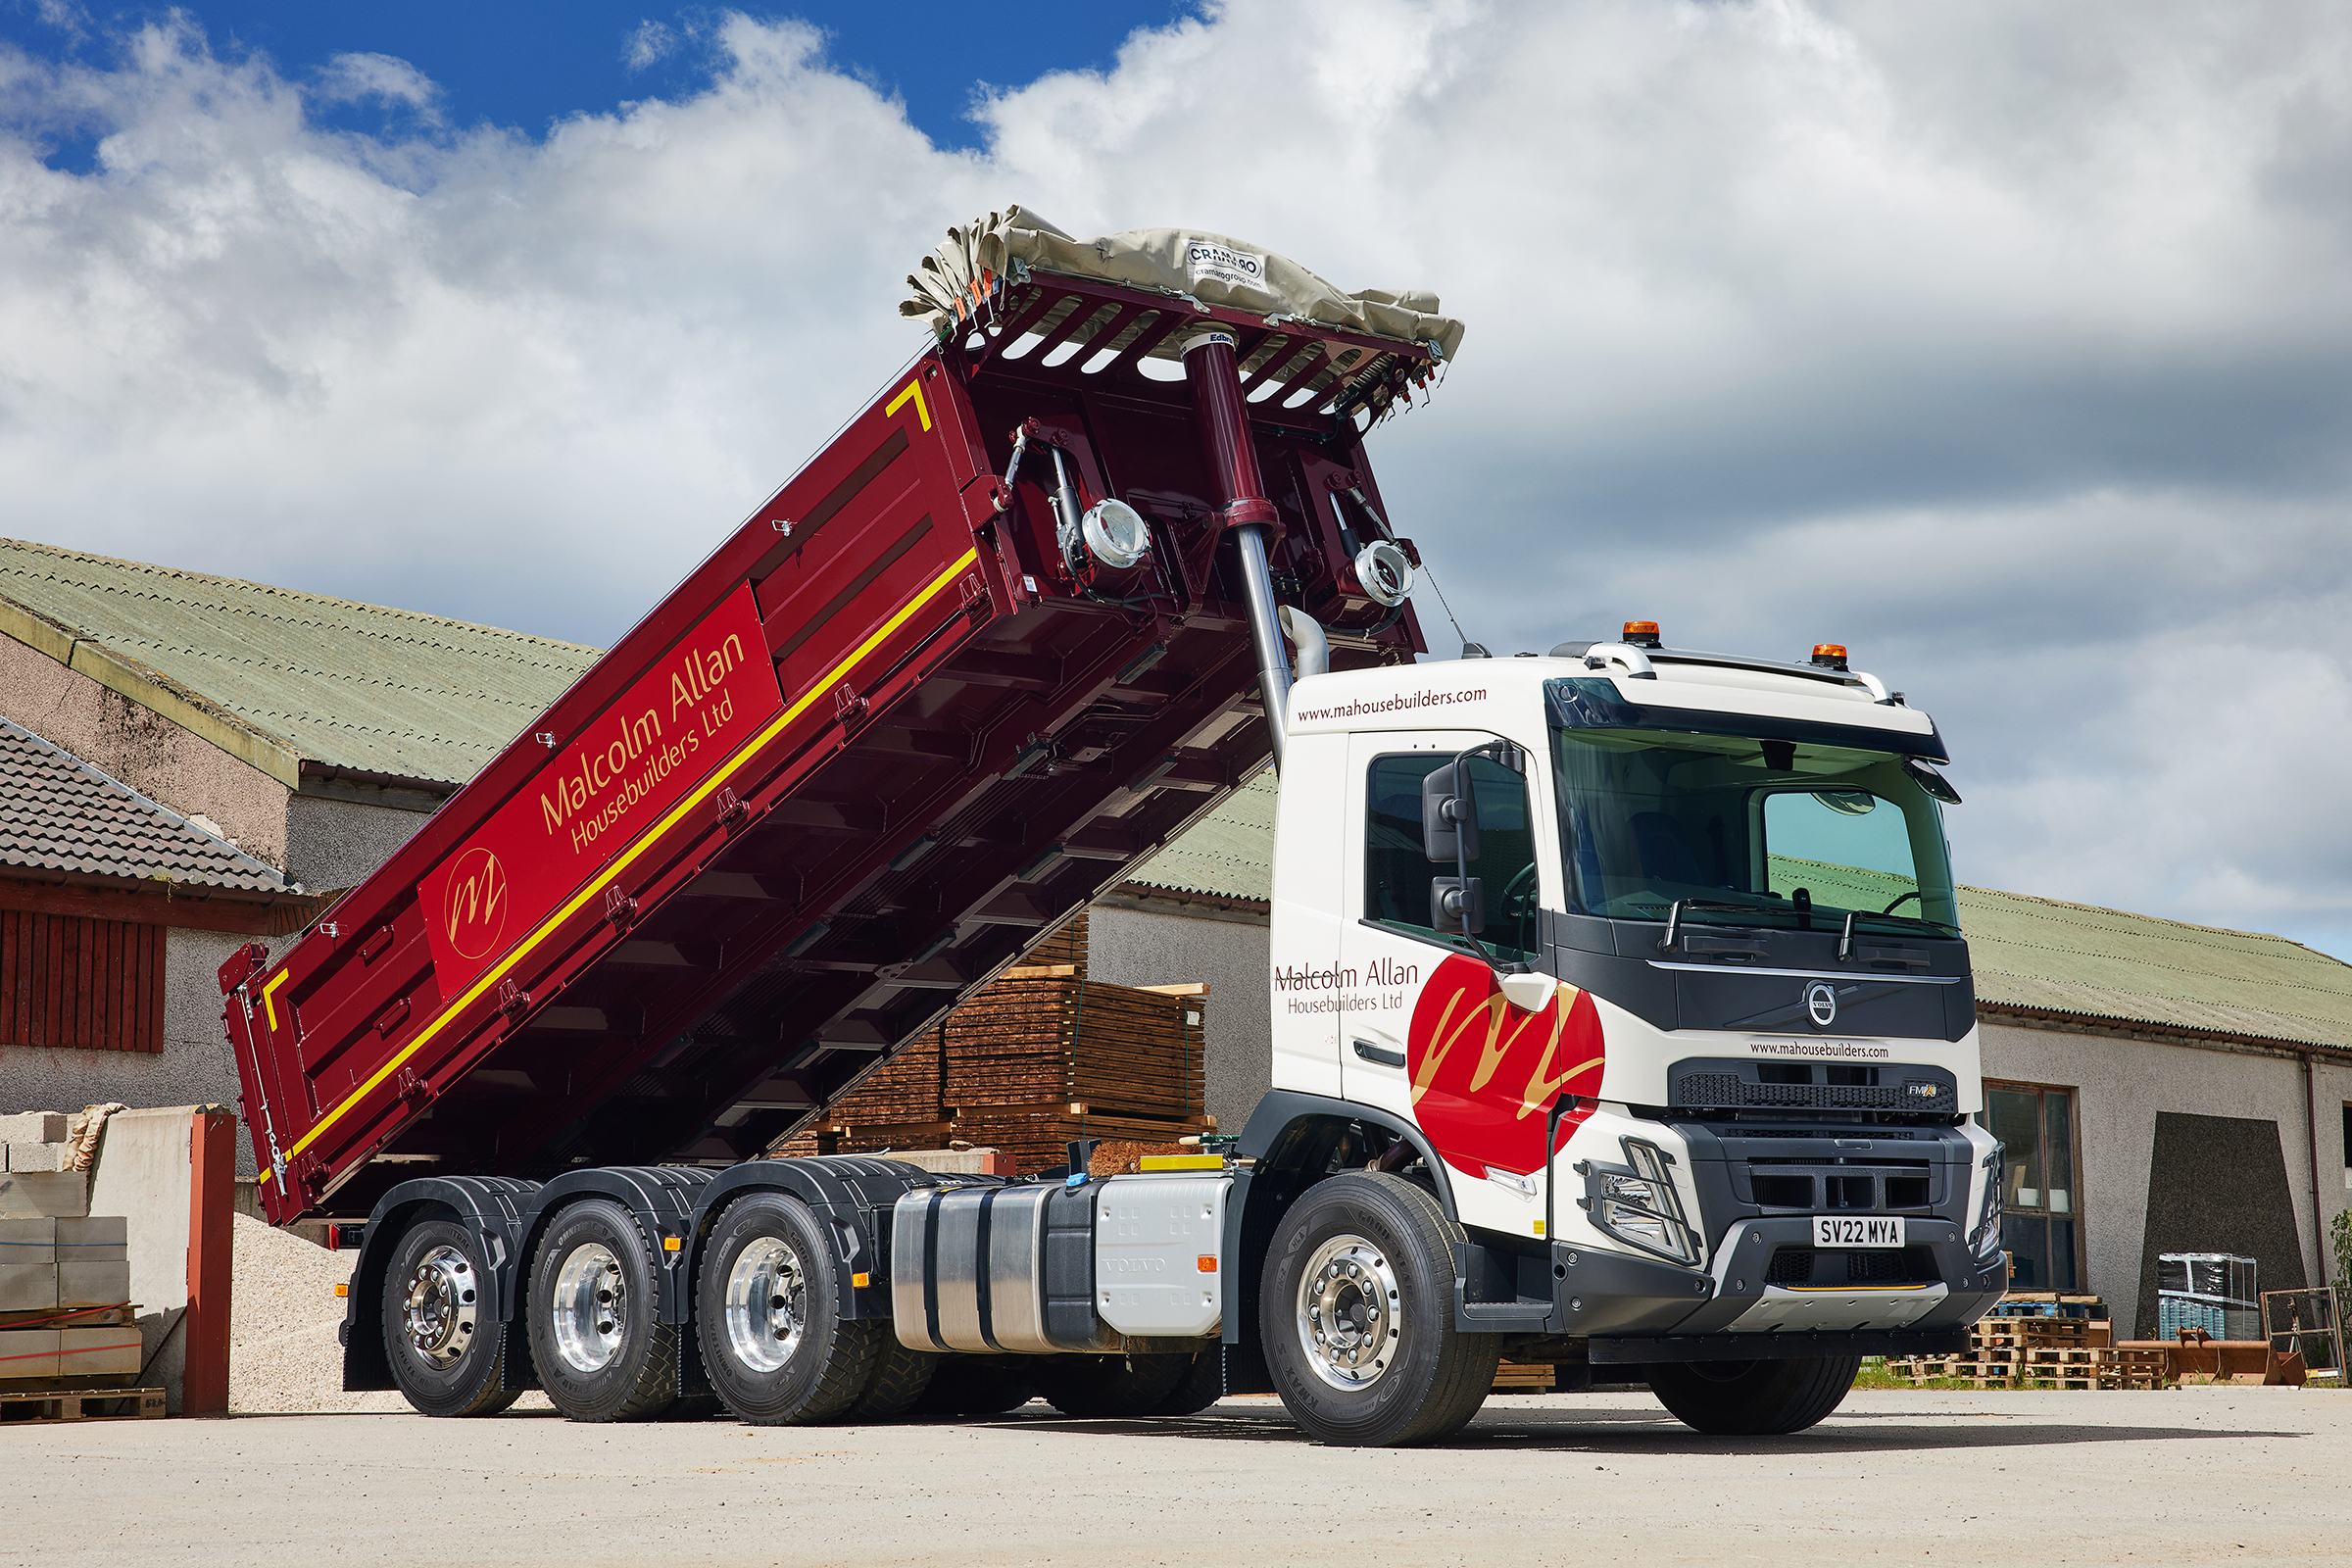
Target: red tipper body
<point>863,756</point>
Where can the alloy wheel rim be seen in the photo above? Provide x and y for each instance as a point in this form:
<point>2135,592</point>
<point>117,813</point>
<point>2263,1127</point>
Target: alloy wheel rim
<point>768,1304</point>
<point>1349,1312</point>
<point>438,1308</point>
<point>591,1306</point>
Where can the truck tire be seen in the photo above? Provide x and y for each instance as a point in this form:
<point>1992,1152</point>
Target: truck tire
<point>1752,1399</point>
<point>977,1385</point>
<point>769,1310</point>
<point>445,1348</point>
<point>597,1335</point>
<point>901,1377</point>
<point>1108,1387</point>
<point>1202,1385</point>
<point>1356,1316</point>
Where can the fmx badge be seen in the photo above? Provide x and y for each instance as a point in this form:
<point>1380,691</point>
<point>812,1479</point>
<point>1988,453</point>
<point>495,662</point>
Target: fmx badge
<point>475,903</point>
<point>1821,1004</point>
<point>1206,261</point>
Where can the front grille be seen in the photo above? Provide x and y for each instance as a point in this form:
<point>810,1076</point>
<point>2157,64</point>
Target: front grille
<point>1823,1188</point>
<point>1729,1092</point>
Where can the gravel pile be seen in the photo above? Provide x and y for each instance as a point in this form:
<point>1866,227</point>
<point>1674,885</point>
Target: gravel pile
<point>283,1312</point>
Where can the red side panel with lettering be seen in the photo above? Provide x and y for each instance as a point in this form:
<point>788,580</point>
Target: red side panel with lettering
<point>681,719</point>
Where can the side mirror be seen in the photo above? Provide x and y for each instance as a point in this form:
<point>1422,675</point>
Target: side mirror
<point>1457,906</point>
<point>1449,815</point>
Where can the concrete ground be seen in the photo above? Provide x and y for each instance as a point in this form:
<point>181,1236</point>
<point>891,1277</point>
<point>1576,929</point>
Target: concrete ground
<point>2183,1476</point>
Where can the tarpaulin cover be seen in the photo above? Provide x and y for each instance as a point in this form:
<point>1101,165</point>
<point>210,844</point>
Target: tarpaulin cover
<point>1186,264</point>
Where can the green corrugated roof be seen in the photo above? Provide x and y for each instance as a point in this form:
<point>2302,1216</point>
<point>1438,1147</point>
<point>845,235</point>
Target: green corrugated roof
<point>1228,853</point>
<point>2038,953</point>
<point>353,687</point>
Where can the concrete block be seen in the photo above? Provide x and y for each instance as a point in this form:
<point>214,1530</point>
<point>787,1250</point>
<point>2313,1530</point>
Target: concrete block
<point>97,1352</point>
<point>99,1238</point>
<point>28,1241</point>
<point>33,1127</point>
<point>29,1353</point>
<point>28,1287</point>
<point>40,1157</point>
<point>92,1284</point>
<point>63,1193</point>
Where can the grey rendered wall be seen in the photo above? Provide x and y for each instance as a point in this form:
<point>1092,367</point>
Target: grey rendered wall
<point>336,844</point>
<point>194,1067</point>
<point>1134,945</point>
<point>2123,1083</point>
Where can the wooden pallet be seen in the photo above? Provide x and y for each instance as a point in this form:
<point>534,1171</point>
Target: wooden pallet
<point>1524,1377</point>
<point>27,1406</point>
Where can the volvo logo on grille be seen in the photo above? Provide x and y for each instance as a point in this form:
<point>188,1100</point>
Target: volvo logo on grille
<point>1821,1004</point>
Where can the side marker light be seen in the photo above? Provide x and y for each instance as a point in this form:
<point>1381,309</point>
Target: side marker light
<point>1207,1262</point>
<point>862,1281</point>
<point>342,1290</point>
<point>672,1244</point>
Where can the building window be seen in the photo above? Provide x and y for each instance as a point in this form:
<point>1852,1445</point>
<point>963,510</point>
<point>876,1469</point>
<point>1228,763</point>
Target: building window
<point>91,985</point>
<point>1397,872</point>
<point>2041,1208</point>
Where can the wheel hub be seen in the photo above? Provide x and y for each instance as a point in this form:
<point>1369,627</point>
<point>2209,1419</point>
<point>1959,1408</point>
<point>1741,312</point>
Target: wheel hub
<point>1349,1312</point>
<point>590,1311</point>
<point>768,1304</point>
<point>438,1311</point>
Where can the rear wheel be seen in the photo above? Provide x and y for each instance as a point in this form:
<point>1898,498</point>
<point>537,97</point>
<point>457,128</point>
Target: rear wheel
<point>1102,1387</point>
<point>768,1311</point>
<point>445,1346</point>
<point>602,1350</point>
<point>978,1385</point>
<point>901,1377</point>
<point>1754,1399</point>
<point>1357,1315</point>
<point>1202,1385</point>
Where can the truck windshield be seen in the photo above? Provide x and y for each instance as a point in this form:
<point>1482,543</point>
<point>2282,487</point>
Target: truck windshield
<point>1778,830</point>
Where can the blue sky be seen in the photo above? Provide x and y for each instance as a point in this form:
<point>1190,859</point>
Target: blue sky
<point>2009,344</point>
<point>525,66</point>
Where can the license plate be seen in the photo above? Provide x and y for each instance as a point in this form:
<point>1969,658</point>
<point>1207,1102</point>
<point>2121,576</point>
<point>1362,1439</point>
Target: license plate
<point>1837,1231</point>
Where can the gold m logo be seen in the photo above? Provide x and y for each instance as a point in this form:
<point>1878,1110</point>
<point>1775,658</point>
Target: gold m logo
<point>474,912</point>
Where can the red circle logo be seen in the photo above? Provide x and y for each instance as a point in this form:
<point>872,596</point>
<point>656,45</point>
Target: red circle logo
<point>1486,1074</point>
<point>474,909</point>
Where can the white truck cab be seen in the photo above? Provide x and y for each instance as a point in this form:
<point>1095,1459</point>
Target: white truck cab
<point>1656,953</point>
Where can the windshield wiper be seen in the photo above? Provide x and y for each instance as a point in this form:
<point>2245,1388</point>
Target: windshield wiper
<point>1674,916</point>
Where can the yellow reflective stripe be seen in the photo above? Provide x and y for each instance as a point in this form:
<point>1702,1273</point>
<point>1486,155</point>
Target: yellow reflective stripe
<point>270,1003</point>
<point>818,688</point>
<point>913,389</point>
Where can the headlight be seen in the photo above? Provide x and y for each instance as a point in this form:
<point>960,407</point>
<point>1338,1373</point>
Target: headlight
<point>1637,1204</point>
<point>1987,1237</point>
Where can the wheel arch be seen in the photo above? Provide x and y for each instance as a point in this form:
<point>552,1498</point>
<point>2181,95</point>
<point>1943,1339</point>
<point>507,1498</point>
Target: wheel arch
<point>661,1197</point>
<point>490,1206</point>
<point>851,1195</point>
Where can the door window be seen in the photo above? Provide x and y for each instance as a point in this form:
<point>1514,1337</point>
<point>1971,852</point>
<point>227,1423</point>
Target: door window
<point>1397,871</point>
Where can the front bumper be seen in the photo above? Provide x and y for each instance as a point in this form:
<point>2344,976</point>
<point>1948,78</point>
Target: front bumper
<point>1609,1295</point>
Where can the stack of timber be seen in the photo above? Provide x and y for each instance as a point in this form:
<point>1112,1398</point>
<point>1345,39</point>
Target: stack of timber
<point>70,1344</point>
<point>1043,1055</point>
<point>2040,1339</point>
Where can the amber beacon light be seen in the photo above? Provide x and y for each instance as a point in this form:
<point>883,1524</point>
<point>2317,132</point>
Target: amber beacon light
<point>1829,656</point>
<point>1642,633</point>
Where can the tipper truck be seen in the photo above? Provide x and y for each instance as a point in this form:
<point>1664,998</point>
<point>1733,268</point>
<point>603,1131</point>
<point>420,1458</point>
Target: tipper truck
<point>1621,1019</point>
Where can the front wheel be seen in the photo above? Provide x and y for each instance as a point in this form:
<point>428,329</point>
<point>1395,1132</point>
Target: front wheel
<point>445,1346</point>
<point>1357,1315</point>
<point>1754,1399</point>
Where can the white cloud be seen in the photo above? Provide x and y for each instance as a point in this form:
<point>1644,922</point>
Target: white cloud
<point>652,41</point>
<point>2006,342</point>
<point>384,78</point>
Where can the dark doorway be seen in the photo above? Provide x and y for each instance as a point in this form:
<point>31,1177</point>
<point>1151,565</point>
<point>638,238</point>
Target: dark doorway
<point>2217,1184</point>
